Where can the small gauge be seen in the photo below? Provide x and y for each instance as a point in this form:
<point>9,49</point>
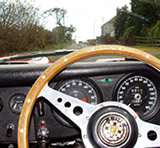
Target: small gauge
<point>82,89</point>
<point>140,94</point>
<point>16,103</point>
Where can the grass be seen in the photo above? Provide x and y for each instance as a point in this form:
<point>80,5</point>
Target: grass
<point>59,46</point>
<point>157,56</point>
<point>145,47</point>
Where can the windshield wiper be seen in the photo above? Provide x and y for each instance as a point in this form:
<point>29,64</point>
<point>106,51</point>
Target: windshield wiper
<point>37,54</point>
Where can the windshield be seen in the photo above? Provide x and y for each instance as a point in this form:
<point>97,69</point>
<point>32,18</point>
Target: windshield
<point>28,26</point>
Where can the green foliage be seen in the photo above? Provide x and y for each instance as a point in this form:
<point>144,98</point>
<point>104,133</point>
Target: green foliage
<point>61,33</point>
<point>144,16</point>
<point>21,31</point>
<point>155,30</point>
<point>121,19</point>
<point>19,27</point>
<point>128,32</point>
<point>137,22</point>
<point>158,56</point>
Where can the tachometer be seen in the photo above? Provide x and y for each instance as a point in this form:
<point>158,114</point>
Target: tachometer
<point>140,94</point>
<point>82,89</point>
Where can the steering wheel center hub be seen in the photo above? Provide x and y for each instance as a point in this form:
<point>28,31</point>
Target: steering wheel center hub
<point>113,126</point>
<point>113,129</point>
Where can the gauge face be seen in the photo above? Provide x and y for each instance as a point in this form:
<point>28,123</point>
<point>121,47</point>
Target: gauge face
<point>140,94</point>
<point>81,89</point>
<point>16,103</point>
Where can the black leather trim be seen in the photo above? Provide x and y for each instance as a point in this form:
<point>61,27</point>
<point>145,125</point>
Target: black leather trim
<point>26,74</point>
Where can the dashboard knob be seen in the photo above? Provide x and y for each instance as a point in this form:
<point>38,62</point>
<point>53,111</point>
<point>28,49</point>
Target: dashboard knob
<point>43,133</point>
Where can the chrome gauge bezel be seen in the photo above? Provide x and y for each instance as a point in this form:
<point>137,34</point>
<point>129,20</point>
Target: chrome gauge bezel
<point>13,100</point>
<point>154,108</point>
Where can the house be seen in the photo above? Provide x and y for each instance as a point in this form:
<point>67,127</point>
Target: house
<point>108,28</point>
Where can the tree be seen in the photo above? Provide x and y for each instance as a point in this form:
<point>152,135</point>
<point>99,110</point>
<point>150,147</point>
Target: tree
<point>137,22</point>
<point>19,26</point>
<point>146,16</point>
<point>155,30</point>
<point>61,33</point>
<point>121,19</point>
<point>59,14</point>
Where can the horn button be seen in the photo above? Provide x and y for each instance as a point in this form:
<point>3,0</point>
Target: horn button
<point>113,127</point>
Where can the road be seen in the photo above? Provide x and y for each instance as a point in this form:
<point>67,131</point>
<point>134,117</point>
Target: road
<point>77,46</point>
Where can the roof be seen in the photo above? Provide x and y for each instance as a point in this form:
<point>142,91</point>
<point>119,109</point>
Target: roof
<point>112,20</point>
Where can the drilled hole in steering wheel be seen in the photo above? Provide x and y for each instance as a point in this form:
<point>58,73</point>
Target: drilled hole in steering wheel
<point>59,100</point>
<point>78,110</point>
<point>67,104</point>
<point>152,135</point>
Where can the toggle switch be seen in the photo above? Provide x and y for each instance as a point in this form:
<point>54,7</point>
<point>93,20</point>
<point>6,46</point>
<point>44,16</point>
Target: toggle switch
<point>10,128</point>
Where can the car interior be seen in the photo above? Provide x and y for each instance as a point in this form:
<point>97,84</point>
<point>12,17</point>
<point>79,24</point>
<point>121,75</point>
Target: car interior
<point>130,79</point>
<point>79,74</point>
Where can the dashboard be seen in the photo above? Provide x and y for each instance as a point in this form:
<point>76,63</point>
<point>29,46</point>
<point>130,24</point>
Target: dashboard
<point>131,82</point>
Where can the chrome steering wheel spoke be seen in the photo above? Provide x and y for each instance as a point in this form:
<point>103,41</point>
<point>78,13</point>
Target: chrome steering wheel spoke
<point>74,109</point>
<point>148,134</point>
<point>82,114</point>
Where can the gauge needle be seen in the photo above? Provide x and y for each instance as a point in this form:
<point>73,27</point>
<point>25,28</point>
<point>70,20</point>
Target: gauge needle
<point>84,99</point>
<point>130,103</point>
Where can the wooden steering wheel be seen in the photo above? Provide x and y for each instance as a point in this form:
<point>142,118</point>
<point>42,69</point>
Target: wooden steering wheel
<point>91,119</point>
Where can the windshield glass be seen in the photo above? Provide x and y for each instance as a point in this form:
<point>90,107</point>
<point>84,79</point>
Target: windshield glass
<point>47,25</point>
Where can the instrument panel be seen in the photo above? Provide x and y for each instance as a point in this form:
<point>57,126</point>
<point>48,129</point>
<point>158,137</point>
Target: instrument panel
<point>135,90</point>
<point>136,86</point>
<point>138,91</point>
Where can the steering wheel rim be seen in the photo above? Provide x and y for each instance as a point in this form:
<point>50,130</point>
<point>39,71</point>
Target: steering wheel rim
<point>61,64</point>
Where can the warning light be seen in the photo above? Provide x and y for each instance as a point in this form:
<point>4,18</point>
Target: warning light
<point>42,124</point>
<point>107,80</point>
<point>102,80</point>
<point>111,79</point>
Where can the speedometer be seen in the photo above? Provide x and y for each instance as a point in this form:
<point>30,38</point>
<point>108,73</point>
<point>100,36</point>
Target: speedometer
<point>140,94</point>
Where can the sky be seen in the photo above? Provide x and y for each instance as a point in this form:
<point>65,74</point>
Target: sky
<point>86,15</point>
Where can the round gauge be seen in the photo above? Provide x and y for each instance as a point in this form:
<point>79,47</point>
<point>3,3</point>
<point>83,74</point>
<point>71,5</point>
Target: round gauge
<point>16,103</point>
<point>82,89</point>
<point>140,94</point>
